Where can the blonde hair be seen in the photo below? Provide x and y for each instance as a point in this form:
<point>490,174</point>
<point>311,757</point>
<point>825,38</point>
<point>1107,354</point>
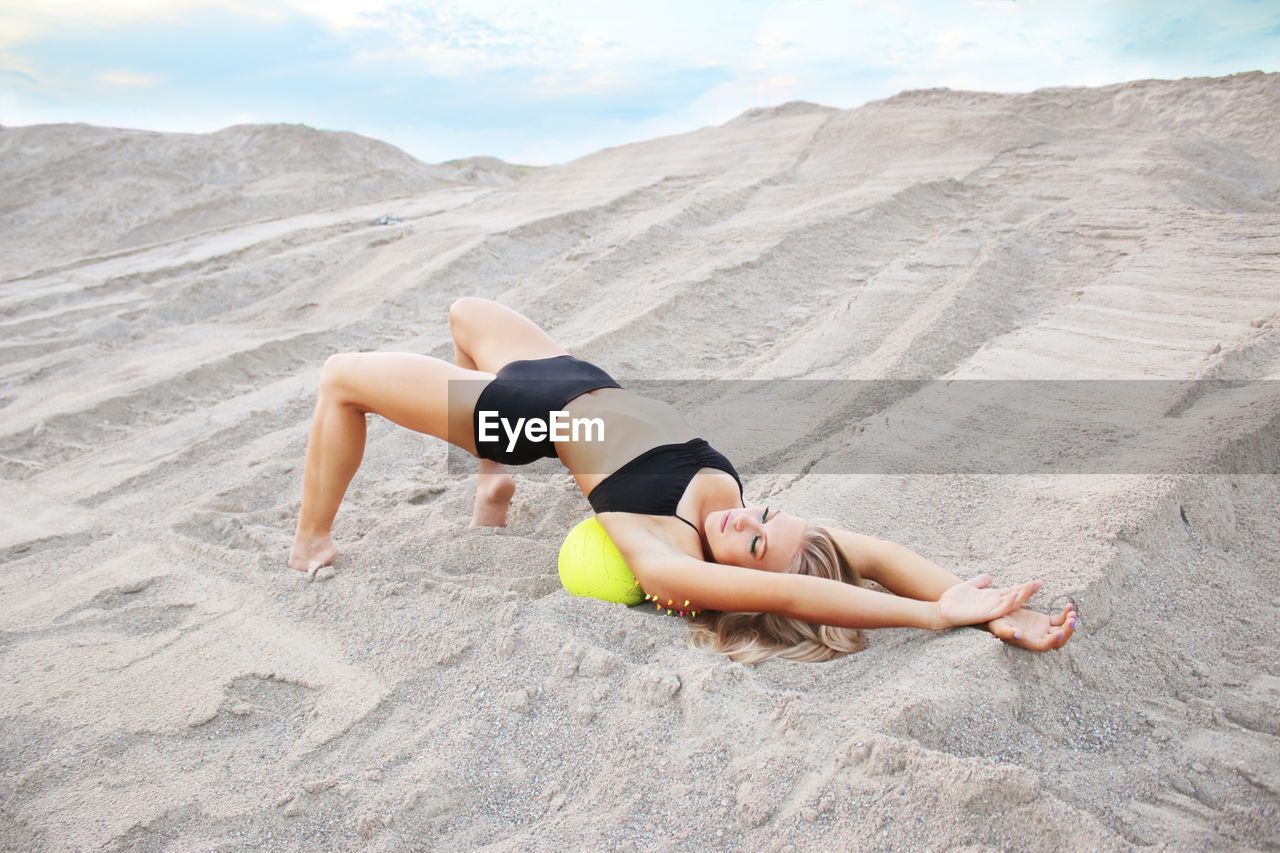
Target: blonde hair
<point>751,637</point>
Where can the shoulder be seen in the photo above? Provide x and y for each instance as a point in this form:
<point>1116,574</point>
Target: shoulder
<point>641,539</point>
<point>674,575</point>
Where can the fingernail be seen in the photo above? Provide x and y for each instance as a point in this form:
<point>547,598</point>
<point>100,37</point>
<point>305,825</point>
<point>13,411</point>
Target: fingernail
<point>1059,636</point>
<point>1017,636</point>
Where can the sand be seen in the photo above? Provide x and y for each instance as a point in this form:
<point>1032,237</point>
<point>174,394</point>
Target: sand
<point>166,304</point>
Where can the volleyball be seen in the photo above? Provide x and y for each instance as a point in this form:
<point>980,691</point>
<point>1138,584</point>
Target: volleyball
<point>591,566</point>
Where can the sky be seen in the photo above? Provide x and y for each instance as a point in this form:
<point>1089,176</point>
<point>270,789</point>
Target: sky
<point>546,82</point>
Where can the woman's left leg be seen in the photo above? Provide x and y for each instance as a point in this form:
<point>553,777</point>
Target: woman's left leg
<point>410,390</point>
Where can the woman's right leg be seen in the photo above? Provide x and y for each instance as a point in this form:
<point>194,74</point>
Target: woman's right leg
<point>410,390</point>
<point>487,336</point>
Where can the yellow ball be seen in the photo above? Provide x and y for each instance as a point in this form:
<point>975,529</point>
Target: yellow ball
<point>590,565</point>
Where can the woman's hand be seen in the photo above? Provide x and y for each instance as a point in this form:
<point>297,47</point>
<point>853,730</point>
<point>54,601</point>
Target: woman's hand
<point>974,601</point>
<point>1038,632</point>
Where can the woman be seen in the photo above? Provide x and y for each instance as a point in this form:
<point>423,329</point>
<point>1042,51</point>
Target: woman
<point>764,582</point>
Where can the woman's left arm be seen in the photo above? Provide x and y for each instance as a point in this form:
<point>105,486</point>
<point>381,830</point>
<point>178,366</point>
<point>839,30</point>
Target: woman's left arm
<point>904,572</point>
<point>895,567</point>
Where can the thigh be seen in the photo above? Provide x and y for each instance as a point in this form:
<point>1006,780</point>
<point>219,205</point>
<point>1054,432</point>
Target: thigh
<point>419,392</point>
<point>494,335</point>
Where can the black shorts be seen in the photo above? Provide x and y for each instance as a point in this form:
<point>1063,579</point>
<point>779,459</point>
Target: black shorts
<point>532,388</point>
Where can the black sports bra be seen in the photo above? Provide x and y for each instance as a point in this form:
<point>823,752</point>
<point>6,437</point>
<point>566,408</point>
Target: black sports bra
<point>654,482</point>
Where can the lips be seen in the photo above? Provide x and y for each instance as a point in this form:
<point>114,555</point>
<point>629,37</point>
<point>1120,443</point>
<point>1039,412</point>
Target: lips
<point>724,521</point>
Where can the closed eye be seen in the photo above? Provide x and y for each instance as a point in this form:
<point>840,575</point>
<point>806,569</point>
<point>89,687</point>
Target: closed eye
<point>755,540</point>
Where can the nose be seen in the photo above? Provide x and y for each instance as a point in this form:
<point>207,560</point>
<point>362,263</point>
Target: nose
<point>743,518</point>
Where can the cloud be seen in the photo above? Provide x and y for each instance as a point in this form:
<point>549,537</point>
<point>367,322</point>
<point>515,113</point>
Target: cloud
<point>15,76</point>
<point>129,79</point>
<point>456,40</point>
<point>343,16</point>
<point>24,20</point>
<point>15,30</point>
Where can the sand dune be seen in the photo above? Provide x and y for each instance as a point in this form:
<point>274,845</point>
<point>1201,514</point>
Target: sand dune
<point>72,191</point>
<point>167,302</point>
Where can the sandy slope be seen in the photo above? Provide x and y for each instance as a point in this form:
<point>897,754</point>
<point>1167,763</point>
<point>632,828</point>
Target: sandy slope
<point>169,684</point>
<point>71,191</point>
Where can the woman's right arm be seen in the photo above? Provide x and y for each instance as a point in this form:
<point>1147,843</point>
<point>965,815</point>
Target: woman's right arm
<point>677,578</point>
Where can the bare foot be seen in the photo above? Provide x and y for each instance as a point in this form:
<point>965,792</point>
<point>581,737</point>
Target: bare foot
<point>493,499</point>
<point>311,552</point>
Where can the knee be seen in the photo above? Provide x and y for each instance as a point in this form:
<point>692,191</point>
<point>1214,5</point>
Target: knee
<point>464,309</point>
<point>336,373</point>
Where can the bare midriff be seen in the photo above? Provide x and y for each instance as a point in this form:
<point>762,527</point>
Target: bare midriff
<point>632,425</point>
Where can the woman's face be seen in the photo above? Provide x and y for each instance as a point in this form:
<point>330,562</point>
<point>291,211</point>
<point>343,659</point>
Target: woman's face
<point>754,537</point>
